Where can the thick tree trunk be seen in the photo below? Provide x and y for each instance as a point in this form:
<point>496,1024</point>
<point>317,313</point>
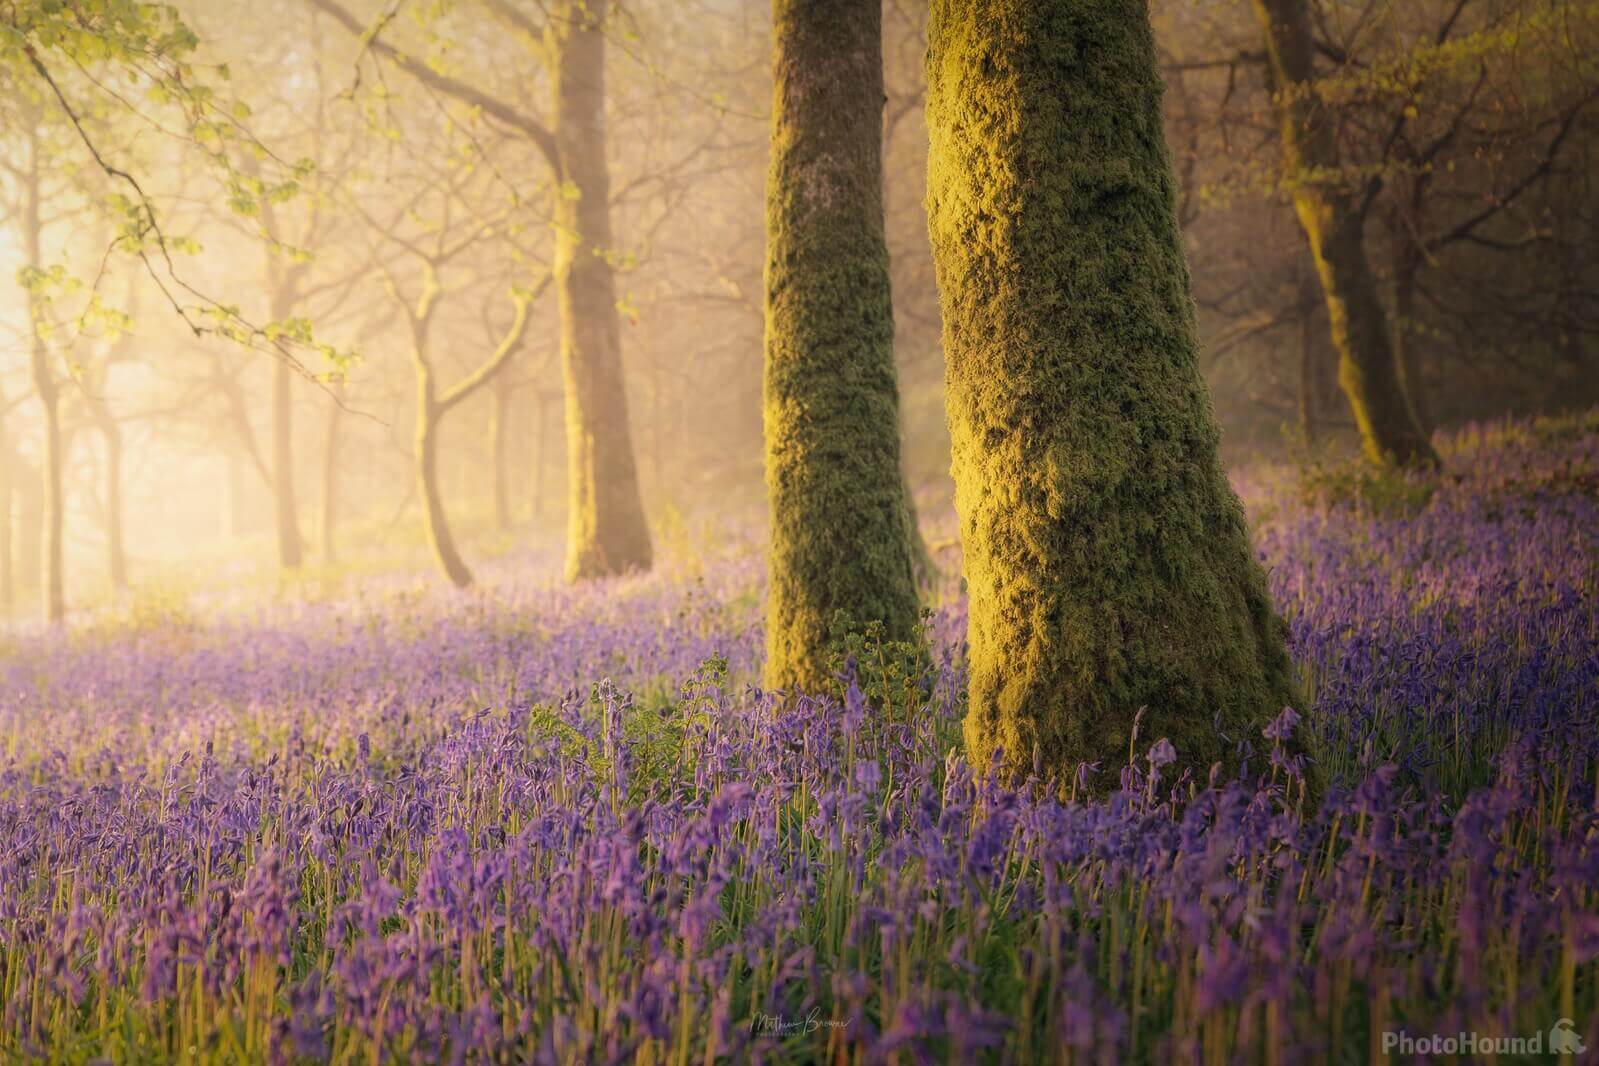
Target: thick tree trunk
<point>116,552</point>
<point>606,531</point>
<point>840,532</point>
<point>290,552</point>
<point>440,539</point>
<point>1366,368</point>
<point>330,483</point>
<point>1108,562</point>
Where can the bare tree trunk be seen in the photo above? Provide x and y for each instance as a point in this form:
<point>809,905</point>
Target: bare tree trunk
<point>1367,369</point>
<point>498,441</point>
<point>540,432</point>
<point>427,481</point>
<point>290,551</point>
<point>1309,380</point>
<point>330,479</point>
<point>28,485</point>
<point>606,530</point>
<point>44,383</point>
<point>1408,353</point>
<point>117,556</point>
<point>7,589</point>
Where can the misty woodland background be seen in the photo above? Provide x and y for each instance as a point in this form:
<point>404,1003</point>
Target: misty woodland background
<point>1469,130</point>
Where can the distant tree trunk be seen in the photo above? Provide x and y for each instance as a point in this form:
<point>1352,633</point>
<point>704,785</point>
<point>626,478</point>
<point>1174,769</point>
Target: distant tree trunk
<point>606,531</point>
<point>541,458</point>
<point>330,481</point>
<point>1336,229</point>
<point>1411,380</point>
<point>921,558</point>
<point>45,385</point>
<point>499,442</point>
<point>1108,562</point>
<point>840,534</point>
<point>28,486</point>
<point>8,592</point>
<point>290,550</point>
<point>116,552</point>
<point>427,480</point>
<point>1309,379</point>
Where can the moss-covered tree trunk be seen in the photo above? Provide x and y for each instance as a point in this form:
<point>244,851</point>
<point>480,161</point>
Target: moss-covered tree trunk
<point>606,531</point>
<point>1367,369</point>
<point>1108,562</point>
<point>840,537</point>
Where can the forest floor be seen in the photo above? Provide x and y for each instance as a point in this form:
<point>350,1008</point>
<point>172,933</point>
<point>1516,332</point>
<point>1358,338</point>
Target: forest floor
<point>529,822</point>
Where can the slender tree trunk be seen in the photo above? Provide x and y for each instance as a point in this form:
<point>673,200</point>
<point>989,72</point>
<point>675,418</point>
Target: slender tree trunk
<point>28,485</point>
<point>1108,562</point>
<point>116,552</point>
<point>8,591</point>
<point>427,481</point>
<point>840,534</point>
<point>1408,354</point>
<point>290,550</point>
<point>499,443</point>
<point>606,531</point>
<point>1366,369</point>
<point>45,385</point>
<point>1309,379</point>
<point>330,483</point>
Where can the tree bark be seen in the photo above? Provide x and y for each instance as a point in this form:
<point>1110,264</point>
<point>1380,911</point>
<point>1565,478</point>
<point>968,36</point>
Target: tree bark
<point>1108,562</point>
<point>839,517</point>
<point>1367,369</point>
<point>606,530</point>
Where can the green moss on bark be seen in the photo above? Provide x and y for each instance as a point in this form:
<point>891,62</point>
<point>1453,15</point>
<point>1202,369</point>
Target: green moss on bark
<point>1108,560</point>
<point>839,533</point>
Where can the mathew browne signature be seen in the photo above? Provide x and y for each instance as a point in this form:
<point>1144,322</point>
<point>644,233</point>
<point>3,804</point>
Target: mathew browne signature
<point>777,1025</point>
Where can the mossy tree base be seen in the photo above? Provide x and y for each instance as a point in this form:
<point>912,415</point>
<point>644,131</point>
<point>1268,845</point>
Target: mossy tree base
<point>1108,562</point>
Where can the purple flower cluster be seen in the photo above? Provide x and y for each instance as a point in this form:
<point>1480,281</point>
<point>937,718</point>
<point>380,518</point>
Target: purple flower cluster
<point>537,824</point>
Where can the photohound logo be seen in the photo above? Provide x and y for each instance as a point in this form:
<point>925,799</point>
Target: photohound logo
<point>1563,1039</point>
